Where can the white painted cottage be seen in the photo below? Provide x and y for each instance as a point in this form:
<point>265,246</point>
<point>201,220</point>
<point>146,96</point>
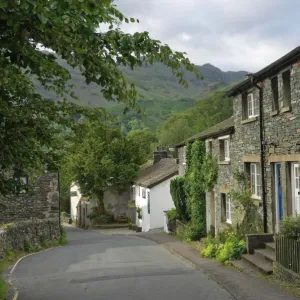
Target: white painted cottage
<point>151,192</point>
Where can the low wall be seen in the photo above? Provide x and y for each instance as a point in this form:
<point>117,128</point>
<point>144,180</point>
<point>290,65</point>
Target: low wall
<point>14,235</point>
<point>284,274</point>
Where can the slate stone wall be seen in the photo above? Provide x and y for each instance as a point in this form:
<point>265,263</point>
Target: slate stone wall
<point>281,137</point>
<point>14,235</point>
<point>41,203</point>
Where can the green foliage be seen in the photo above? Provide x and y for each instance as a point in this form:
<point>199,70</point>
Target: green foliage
<point>193,231</point>
<point>207,112</point>
<point>210,169</point>
<point>29,121</point>
<point>241,196</point>
<point>139,211</point>
<point>232,248</point>
<point>70,221</point>
<point>172,214</point>
<point>290,227</point>
<point>63,237</point>
<point>179,197</point>
<point>195,188</point>
<point>100,157</point>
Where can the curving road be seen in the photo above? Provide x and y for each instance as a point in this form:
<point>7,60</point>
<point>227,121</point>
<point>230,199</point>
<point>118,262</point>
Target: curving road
<point>100,266</point>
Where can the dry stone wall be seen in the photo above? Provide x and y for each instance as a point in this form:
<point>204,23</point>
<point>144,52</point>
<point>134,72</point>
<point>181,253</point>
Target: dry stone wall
<point>41,203</point>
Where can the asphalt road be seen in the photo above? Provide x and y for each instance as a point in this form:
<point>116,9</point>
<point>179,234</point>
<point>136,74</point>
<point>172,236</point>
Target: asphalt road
<point>100,266</point>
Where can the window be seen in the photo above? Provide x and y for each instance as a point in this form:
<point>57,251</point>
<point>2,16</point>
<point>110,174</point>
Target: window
<point>209,145</point>
<point>274,84</point>
<point>184,155</point>
<point>144,193</point>
<point>286,79</point>
<point>226,208</point>
<point>250,106</point>
<point>73,193</point>
<point>255,180</point>
<point>224,143</point>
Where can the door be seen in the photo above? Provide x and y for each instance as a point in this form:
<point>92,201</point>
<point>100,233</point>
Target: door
<point>296,188</point>
<point>278,192</point>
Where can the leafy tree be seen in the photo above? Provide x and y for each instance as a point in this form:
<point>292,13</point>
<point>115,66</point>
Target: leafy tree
<point>101,157</point>
<point>70,28</point>
<point>142,142</point>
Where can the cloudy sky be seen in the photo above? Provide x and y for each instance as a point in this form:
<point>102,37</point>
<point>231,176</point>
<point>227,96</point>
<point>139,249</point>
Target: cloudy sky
<point>230,34</point>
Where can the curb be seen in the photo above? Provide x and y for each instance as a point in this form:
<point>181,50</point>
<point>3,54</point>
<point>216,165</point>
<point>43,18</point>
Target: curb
<point>16,292</point>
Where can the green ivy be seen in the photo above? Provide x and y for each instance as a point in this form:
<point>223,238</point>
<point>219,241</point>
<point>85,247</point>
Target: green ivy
<point>179,197</point>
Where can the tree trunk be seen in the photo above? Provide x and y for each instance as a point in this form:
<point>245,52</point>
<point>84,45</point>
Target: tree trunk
<point>100,200</point>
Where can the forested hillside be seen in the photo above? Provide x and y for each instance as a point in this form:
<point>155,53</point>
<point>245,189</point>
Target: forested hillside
<point>160,94</point>
<point>206,113</point>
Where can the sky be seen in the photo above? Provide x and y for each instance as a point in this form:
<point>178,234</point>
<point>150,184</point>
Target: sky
<point>233,35</point>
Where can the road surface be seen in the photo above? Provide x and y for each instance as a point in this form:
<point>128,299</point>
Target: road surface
<point>99,266</point>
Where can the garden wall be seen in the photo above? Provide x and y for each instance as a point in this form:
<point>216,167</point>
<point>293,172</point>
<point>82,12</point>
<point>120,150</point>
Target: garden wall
<point>33,232</point>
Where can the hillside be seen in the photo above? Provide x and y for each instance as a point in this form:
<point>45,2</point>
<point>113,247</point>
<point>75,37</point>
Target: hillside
<point>161,95</point>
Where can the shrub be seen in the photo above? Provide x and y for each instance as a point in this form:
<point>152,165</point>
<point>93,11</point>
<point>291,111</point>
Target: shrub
<point>179,197</point>
<point>290,227</point>
<point>70,221</point>
<point>231,249</point>
<point>172,214</point>
<point>192,232</point>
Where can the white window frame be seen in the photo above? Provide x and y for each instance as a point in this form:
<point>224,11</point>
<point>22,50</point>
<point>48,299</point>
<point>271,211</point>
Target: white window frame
<point>228,209</point>
<point>251,106</point>
<point>255,180</point>
<point>184,155</point>
<point>226,140</point>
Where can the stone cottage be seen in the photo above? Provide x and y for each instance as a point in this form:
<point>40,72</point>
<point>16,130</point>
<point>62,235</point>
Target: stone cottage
<point>151,191</point>
<point>262,140</point>
<point>219,143</point>
<point>40,203</point>
<point>266,112</point>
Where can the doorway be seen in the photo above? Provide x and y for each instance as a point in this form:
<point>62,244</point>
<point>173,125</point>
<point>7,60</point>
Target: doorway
<point>278,193</point>
<point>296,187</point>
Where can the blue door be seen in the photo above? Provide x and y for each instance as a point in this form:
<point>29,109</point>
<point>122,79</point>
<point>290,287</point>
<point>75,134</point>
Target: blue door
<point>278,187</point>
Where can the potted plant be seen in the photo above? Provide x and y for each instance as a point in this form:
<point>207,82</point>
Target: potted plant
<point>139,210</point>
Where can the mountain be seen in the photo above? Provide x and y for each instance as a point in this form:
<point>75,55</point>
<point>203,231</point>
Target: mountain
<point>161,95</point>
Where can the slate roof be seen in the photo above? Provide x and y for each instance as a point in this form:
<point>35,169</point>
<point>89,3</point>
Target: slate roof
<point>157,173</point>
<point>227,126</point>
<point>266,72</point>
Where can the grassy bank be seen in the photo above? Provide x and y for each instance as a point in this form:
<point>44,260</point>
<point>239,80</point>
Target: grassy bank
<point>12,256</point>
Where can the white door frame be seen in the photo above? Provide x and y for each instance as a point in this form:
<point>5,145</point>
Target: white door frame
<point>295,191</point>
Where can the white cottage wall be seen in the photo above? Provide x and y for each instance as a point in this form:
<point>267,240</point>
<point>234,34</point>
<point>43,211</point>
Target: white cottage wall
<point>142,203</point>
<point>74,200</point>
<point>160,201</point>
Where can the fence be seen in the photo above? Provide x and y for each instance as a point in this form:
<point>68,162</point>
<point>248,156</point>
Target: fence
<point>288,253</point>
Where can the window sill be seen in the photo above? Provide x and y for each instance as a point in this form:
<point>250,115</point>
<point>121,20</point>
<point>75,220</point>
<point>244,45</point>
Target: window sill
<point>224,162</point>
<point>229,222</point>
<point>274,113</point>
<point>256,197</point>
<point>285,109</point>
<point>250,120</point>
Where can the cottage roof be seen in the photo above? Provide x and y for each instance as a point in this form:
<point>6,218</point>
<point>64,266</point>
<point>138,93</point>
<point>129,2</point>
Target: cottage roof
<point>157,173</point>
<point>226,126</point>
<point>266,72</point>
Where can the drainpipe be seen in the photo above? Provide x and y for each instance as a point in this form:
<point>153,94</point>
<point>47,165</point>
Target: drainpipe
<point>262,160</point>
<point>58,179</point>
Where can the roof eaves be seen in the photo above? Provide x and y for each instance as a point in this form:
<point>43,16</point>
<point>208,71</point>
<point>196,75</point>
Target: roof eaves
<point>272,68</point>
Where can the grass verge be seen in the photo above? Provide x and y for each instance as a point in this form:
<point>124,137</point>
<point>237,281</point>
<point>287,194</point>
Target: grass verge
<point>12,256</point>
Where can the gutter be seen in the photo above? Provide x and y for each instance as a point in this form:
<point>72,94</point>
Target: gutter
<point>262,157</point>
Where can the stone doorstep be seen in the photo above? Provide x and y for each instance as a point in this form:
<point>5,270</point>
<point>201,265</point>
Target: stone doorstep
<point>270,246</point>
<point>266,254</point>
<point>266,267</point>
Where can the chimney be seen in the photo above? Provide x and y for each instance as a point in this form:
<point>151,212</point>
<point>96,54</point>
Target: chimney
<point>158,155</point>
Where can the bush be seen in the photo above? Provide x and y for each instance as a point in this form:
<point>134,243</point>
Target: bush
<point>172,214</point>
<point>179,197</point>
<point>70,221</point>
<point>232,249</point>
<point>290,227</point>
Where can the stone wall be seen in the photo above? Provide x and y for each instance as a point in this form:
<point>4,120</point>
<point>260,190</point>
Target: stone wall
<point>41,203</point>
<point>281,138</point>
<point>14,235</point>
<point>181,154</point>
<point>281,273</point>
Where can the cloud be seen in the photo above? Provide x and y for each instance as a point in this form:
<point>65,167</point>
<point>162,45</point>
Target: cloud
<point>231,34</point>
